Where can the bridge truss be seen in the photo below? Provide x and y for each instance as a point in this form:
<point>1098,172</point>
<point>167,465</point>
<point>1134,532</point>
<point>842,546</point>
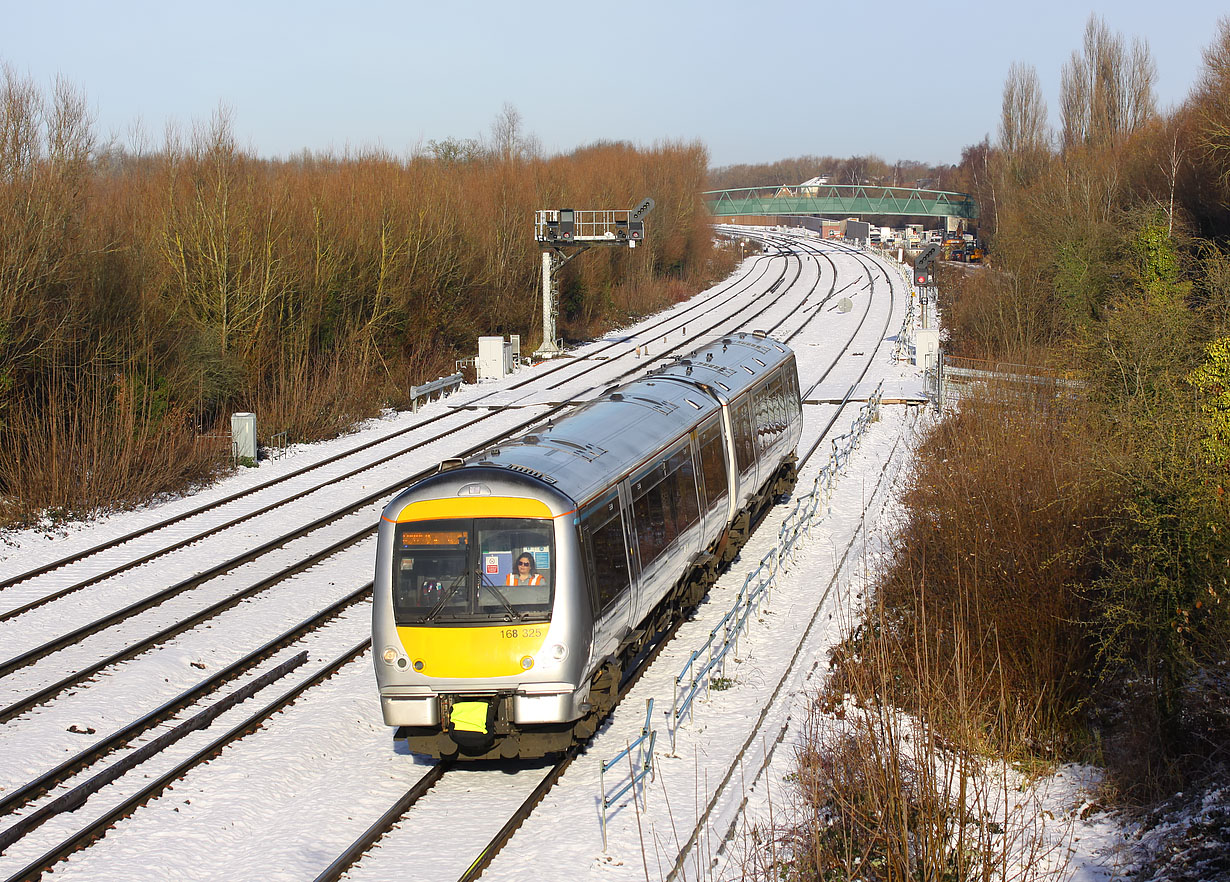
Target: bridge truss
<point>839,200</point>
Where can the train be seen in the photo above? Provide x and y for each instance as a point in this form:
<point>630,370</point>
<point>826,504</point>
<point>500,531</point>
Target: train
<point>515,589</point>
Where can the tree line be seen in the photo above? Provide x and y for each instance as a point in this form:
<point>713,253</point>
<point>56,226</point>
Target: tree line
<point>1079,541</point>
<point>145,294</point>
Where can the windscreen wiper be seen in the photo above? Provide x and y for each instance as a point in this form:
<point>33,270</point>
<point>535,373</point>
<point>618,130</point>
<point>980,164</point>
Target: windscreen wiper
<point>448,592</point>
<point>500,596</point>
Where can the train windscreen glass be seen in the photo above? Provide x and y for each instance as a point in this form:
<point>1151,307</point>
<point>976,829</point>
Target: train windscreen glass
<point>484,569</point>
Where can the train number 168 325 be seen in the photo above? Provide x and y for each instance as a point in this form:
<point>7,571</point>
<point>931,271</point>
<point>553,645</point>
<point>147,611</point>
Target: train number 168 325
<point>520,632</point>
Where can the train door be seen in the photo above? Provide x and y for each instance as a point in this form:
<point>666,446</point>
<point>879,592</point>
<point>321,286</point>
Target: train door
<point>653,529</point>
<point>744,440</point>
<point>715,474</point>
<point>610,568</point>
<point>794,402</point>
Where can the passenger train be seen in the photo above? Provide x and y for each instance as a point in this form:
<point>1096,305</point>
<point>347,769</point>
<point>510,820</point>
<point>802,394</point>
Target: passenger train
<point>514,589</point>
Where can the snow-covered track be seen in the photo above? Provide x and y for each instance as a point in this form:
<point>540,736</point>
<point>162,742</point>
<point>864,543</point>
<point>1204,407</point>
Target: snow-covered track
<point>74,636</point>
<point>380,773</point>
<point>44,782</point>
<point>97,828</point>
<point>567,367</point>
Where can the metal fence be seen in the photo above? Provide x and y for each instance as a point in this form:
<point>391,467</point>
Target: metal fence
<point>698,672</point>
<point>439,388</point>
<point>640,764</point>
<point>959,378</point>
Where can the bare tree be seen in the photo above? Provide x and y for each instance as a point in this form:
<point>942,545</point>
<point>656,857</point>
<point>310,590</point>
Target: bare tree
<point>509,141</point>
<point>1211,101</point>
<point>1025,135</point>
<point>1106,91</point>
<point>21,119</point>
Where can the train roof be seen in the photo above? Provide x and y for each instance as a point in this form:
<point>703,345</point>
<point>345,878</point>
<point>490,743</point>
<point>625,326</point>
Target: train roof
<point>594,445</point>
<point>729,364</point>
<point>589,448</point>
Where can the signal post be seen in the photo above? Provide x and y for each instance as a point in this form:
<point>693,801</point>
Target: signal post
<point>924,279</point>
<point>563,234</point>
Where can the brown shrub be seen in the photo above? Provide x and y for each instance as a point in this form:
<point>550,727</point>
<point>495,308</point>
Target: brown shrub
<point>312,290</point>
<point>1003,514</point>
<point>106,444</point>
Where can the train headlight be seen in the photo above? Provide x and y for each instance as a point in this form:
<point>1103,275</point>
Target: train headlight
<point>390,655</point>
<point>527,662</point>
<point>418,664</point>
<point>559,652</point>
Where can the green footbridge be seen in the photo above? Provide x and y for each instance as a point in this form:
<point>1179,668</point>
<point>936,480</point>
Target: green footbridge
<point>839,200</point>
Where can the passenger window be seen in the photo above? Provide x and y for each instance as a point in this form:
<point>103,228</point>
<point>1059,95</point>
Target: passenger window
<point>713,464</point>
<point>777,407</point>
<point>761,397</point>
<point>655,529</point>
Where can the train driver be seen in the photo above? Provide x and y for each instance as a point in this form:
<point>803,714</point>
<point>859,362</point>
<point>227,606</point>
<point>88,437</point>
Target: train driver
<point>525,572</point>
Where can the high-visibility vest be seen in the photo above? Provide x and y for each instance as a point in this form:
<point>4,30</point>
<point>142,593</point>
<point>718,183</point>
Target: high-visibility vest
<point>535,579</point>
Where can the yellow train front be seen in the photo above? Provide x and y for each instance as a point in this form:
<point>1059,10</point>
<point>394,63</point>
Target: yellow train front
<point>513,590</point>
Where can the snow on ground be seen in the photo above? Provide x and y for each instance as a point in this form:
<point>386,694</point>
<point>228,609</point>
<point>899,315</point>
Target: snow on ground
<point>723,767</point>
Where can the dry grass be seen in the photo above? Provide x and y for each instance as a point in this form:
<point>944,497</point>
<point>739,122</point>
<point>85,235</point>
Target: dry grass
<point>881,793</point>
<point>101,446</point>
<point>1003,518</point>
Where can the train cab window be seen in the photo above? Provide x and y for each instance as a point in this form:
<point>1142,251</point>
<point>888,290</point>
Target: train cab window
<point>713,463</point>
<point>603,536</point>
<point>449,571</point>
<point>430,568</point>
<point>515,569</point>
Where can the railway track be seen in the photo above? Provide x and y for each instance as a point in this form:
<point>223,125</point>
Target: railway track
<point>385,824</point>
<point>367,506</point>
<point>694,820</point>
<point>53,777</point>
<point>657,330</point>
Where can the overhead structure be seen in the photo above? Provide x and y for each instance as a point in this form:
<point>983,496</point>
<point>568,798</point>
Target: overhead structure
<point>839,200</point>
<point>563,233</point>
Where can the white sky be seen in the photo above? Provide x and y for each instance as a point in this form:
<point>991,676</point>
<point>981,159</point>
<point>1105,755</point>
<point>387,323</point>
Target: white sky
<point>905,81</point>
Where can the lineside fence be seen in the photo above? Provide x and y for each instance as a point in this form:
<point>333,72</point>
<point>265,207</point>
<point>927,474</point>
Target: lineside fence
<point>438,388</point>
<point>706,665</point>
<point>708,662</point>
<point>640,765</point>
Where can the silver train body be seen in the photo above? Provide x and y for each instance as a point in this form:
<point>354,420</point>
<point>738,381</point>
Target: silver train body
<point>514,589</point>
